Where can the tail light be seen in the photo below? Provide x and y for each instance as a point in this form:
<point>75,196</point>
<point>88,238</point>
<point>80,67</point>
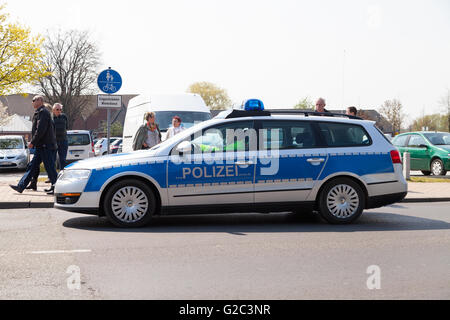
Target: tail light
<point>92,143</point>
<point>395,156</point>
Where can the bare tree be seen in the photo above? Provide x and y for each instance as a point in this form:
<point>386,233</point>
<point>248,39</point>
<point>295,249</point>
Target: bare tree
<point>445,102</point>
<point>73,59</point>
<point>392,111</point>
<point>4,115</point>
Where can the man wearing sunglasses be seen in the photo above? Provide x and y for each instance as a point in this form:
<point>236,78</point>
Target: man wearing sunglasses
<point>61,126</point>
<point>43,139</point>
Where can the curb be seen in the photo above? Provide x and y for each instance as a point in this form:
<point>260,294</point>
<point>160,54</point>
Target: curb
<point>26,205</point>
<point>416,200</point>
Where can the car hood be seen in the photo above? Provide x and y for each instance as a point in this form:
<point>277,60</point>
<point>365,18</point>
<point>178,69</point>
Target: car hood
<point>11,152</point>
<point>113,160</point>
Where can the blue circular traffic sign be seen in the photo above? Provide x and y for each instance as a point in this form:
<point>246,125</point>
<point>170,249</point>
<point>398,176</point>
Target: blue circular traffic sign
<point>109,81</point>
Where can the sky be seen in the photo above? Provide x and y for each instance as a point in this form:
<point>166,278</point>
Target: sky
<point>350,52</point>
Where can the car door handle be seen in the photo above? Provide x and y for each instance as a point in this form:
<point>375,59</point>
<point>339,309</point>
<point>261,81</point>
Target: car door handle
<point>315,160</point>
<point>244,163</point>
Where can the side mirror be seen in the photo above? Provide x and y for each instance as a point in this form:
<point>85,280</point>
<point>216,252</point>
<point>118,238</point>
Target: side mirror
<point>184,147</point>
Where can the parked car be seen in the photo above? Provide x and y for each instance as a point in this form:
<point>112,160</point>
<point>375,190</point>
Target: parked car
<point>81,145</point>
<point>101,147</point>
<point>114,147</point>
<point>247,161</point>
<point>14,152</point>
<point>430,151</point>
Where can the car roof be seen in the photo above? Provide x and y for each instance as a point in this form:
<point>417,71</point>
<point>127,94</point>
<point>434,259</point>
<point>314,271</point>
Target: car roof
<point>296,117</point>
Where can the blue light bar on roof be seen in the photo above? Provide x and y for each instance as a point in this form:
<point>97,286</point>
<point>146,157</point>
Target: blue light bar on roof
<point>253,105</point>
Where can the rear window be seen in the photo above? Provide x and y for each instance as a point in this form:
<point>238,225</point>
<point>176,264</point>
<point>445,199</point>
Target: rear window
<point>78,139</point>
<point>344,135</point>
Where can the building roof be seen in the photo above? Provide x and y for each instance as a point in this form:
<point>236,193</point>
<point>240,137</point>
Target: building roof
<point>17,124</point>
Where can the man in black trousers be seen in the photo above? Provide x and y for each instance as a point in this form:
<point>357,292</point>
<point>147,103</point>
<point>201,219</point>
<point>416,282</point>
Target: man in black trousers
<point>43,139</point>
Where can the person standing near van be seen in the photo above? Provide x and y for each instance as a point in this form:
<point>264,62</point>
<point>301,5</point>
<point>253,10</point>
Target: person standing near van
<point>176,127</point>
<point>148,135</point>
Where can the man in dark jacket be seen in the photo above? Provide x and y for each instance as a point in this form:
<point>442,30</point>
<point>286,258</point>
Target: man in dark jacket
<point>43,139</point>
<point>61,126</point>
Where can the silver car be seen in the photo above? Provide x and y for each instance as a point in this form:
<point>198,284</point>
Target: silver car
<point>14,153</point>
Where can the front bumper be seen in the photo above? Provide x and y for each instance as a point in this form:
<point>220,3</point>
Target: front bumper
<point>13,163</point>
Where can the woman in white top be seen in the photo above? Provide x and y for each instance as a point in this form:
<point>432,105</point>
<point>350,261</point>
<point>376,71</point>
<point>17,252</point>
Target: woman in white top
<point>175,128</point>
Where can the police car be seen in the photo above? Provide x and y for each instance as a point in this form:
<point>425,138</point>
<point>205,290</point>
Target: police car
<point>248,160</point>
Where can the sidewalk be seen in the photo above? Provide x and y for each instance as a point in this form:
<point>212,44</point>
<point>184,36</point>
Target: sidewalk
<point>9,199</point>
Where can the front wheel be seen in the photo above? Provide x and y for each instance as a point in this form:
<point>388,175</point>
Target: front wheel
<point>341,201</point>
<point>437,168</point>
<point>129,204</point>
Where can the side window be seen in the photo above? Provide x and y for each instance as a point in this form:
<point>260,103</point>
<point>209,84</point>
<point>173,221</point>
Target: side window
<point>400,141</point>
<point>285,135</point>
<point>416,141</point>
<point>230,137</point>
<point>344,134</point>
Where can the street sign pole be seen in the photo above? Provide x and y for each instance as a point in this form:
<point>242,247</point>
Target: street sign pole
<point>109,81</point>
<point>108,130</point>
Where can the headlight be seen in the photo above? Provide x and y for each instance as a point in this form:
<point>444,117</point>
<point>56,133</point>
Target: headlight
<point>74,175</point>
<point>22,156</point>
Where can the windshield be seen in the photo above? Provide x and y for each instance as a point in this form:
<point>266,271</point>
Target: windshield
<point>11,143</point>
<point>78,139</point>
<point>188,118</point>
<point>438,138</point>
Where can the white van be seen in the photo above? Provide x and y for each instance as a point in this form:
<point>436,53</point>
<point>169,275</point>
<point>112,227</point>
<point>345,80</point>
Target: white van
<point>189,107</point>
<point>81,145</point>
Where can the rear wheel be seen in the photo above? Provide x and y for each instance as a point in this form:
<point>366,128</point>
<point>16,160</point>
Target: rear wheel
<point>341,201</point>
<point>129,204</point>
<point>437,168</point>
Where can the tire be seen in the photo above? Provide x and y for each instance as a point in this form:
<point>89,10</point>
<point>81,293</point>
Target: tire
<point>129,204</point>
<point>437,168</point>
<point>426,173</point>
<point>341,201</point>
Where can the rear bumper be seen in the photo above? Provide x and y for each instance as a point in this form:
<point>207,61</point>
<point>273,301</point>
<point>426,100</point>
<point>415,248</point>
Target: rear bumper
<point>386,199</point>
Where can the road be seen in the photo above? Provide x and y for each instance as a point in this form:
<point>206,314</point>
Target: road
<point>247,256</point>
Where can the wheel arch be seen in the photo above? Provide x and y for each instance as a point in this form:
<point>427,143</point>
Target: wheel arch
<point>348,176</point>
<point>135,176</point>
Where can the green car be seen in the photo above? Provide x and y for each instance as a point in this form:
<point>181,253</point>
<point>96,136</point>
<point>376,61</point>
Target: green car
<point>430,151</point>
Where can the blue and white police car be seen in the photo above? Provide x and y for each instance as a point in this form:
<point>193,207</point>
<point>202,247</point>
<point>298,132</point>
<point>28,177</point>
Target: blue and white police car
<point>247,160</point>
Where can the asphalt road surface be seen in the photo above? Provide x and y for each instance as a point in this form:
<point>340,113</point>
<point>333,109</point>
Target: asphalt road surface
<point>399,252</point>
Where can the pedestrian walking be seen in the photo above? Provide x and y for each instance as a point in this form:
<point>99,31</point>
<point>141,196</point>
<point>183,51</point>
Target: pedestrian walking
<point>61,126</point>
<point>43,139</point>
<point>148,135</point>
